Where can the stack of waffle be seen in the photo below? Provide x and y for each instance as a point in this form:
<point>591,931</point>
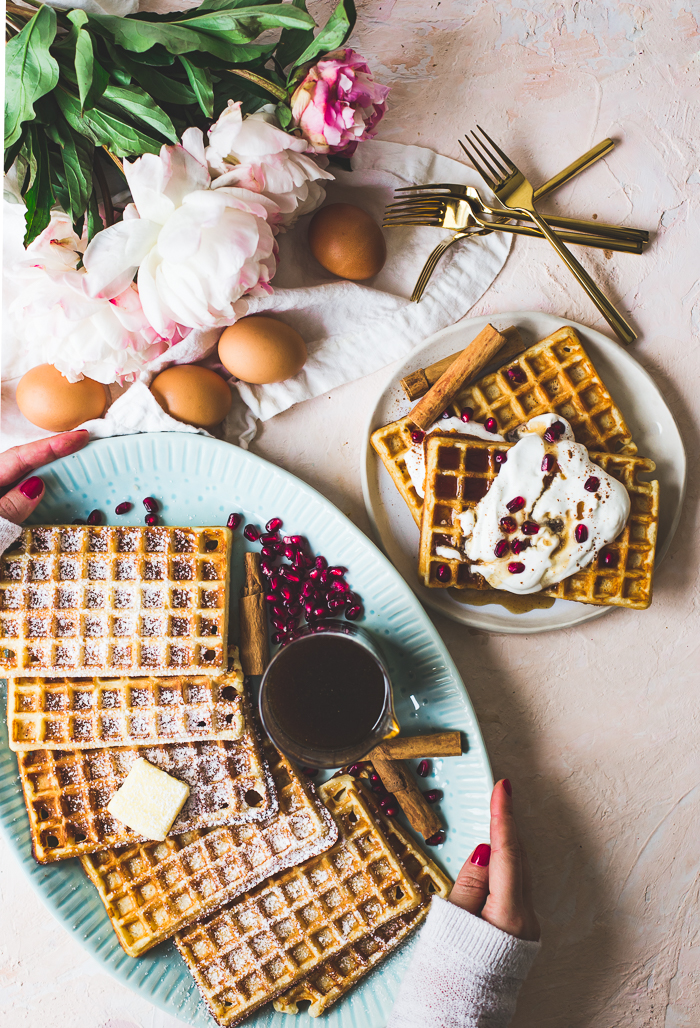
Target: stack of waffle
<point>553,376</point>
<point>113,642</point>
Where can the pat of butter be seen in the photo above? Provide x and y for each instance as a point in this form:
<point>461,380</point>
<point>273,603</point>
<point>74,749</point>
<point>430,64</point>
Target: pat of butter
<point>149,800</point>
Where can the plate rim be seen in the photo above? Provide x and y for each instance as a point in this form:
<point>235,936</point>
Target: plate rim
<point>34,872</point>
<point>370,460</point>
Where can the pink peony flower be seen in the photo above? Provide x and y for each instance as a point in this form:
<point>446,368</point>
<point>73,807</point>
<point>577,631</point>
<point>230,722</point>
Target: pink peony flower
<point>338,103</point>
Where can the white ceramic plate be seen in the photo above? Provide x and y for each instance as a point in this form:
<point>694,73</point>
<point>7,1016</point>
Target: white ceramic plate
<point>199,481</point>
<point>642,404</point>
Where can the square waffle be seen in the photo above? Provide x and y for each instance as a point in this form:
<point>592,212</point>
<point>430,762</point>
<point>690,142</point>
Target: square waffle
<point>558,376</point>
<point>83,600</point>
<point>459,472</point>
<point>261,945</point>
<point>88,713</point>
<point>66,792</point>
<point>334,978</point>
<point>153,889</point>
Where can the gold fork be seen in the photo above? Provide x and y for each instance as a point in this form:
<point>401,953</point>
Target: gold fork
<point>516,193</point>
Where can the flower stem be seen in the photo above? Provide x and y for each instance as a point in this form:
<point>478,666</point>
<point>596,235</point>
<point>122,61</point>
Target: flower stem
<point>277,91</point>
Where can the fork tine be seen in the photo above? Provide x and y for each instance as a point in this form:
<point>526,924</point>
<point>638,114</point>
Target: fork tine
<point>487,156</point>
<point>426,185</point>
<point>413,222</point>
<point>424,205</point>
<point>487,179</point>
<point>497,149</point>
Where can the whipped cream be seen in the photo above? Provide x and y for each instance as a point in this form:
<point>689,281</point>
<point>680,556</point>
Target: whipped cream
<point>573,522</point>
<point>415,457</point>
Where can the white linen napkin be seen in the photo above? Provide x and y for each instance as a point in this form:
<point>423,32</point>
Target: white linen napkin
<point>351,328</point>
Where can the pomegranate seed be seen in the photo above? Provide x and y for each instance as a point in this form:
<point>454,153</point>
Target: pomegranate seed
<point>323,577</point>
<point>516,504</point>
<point>516,375</point>
<point>265,568</point>
<point>94,517</point>
<point>390,810</point>
<point>278,611</point>
<point>337,572</point>
<point>355,770</point>
<point>286,593</point>
<point>271,597</point>
<point>269,538</point>
<point>78,521</point>
<point>273,525</point>
<point>501,548</point>
<point>294,609</point>
<point>548,463</point>
<point>423,769</point>
<point>516,568</point>
<point>518,545</point>
<point>251,533</point>
<point>268,551</point>
<point>151,505</point>
<point>554,432</point>
<point>234,521</point>
<point>279,637</point>
<point>530,528</point>
<point>433,795</point>
<point>321,563</point>
<point>466,414</point>
<point>591,484</point>
<point>445,414</point>
<point>307,590</point>
<point>274,583</point>
<point>352,599</point>
<point>353,613</point>
<point>609,558</point>
<point>508,524</point>
<point>123,508</point>
<point>279,622</point>
<point>436,840</point>
<point>491,425</point>
<point>314,574</point>
<point>581,533</point>
<point>151,519</point>
<point>417,437</point>
<point>501,458</point>
<point>310,772</point>
<point>340,587</point>
<point>289,574</point>
<point>443,573</point>
<point>289,552</point>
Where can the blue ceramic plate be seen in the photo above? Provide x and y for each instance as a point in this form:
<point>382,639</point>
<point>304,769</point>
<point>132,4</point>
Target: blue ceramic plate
<point>199,481</point>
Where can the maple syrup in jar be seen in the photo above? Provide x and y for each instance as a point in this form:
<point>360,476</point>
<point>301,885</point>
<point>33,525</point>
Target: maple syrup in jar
<point>325,699</point>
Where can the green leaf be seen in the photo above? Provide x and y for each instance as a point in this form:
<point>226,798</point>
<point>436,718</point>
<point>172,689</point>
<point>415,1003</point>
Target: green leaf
<point>200,80</point>
<point>91,77</point>
<point>284,115</point>
<point>12,152</point>
<point>77,155</point>
<point>293,42</point>
<point>39,197</point>
<point>30,71</point>
<point>157,84</point>
<point>332,35</point>
<point>138,104</point>
<point>106,127</point>
<point>94,221</point>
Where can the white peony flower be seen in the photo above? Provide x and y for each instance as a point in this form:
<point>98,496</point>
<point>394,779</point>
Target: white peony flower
<point>109,340</point>
<point>196,250</point>
<point>255,153</point>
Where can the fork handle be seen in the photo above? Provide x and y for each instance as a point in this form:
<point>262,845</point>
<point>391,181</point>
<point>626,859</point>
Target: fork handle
<point>431,264</point>
<point>618,324</point>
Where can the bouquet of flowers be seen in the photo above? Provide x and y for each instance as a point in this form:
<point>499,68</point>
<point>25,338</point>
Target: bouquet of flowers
<point>218,170</point>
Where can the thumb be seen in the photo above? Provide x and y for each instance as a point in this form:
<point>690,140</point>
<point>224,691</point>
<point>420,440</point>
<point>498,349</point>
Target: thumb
<point>472,885</point>
<point>18,503</point>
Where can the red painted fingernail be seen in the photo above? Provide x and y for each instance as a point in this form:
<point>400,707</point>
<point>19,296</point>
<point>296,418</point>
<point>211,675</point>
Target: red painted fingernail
<point>32,488</point>
<point>507,786</point>
<point>481,855</point>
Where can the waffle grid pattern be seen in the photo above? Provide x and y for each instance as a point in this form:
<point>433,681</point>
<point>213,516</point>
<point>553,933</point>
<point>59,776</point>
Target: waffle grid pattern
<point>255,949</point>
<point>110,601</point>
<point>558,376</point>
<point>334,978</point>
<point>66,792</point>
<point>151,890</point>
<point>89,713</point>
<point>459,472</point>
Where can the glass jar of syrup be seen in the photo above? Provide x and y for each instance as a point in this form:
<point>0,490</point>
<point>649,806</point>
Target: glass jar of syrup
<point>326,699</point>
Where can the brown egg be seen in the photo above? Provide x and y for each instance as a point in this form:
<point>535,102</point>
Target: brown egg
<point>347,241</point>
<point>50,401</point>
<point>192,394</point>
<point>259,349</point>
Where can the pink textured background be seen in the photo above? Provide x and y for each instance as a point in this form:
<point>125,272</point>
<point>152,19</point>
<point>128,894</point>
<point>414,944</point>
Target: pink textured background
<point>597,727</point>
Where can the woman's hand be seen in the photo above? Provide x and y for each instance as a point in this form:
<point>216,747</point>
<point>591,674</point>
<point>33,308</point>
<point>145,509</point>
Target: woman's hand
<point>17,503</point>
<point>495,882</point>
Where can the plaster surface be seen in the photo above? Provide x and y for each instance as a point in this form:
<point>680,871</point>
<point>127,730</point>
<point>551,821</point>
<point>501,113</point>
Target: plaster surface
<point>596,727</point>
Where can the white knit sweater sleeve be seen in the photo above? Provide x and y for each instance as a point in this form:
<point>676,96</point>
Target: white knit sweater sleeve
<point>8,533</point>
<point>464,973</point>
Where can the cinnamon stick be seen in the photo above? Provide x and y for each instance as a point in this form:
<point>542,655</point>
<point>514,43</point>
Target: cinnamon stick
<point>470,360</point>
<point>419,382</point>
<point>397,778</point>
<point>434,744</point>
<point>255,647</point>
